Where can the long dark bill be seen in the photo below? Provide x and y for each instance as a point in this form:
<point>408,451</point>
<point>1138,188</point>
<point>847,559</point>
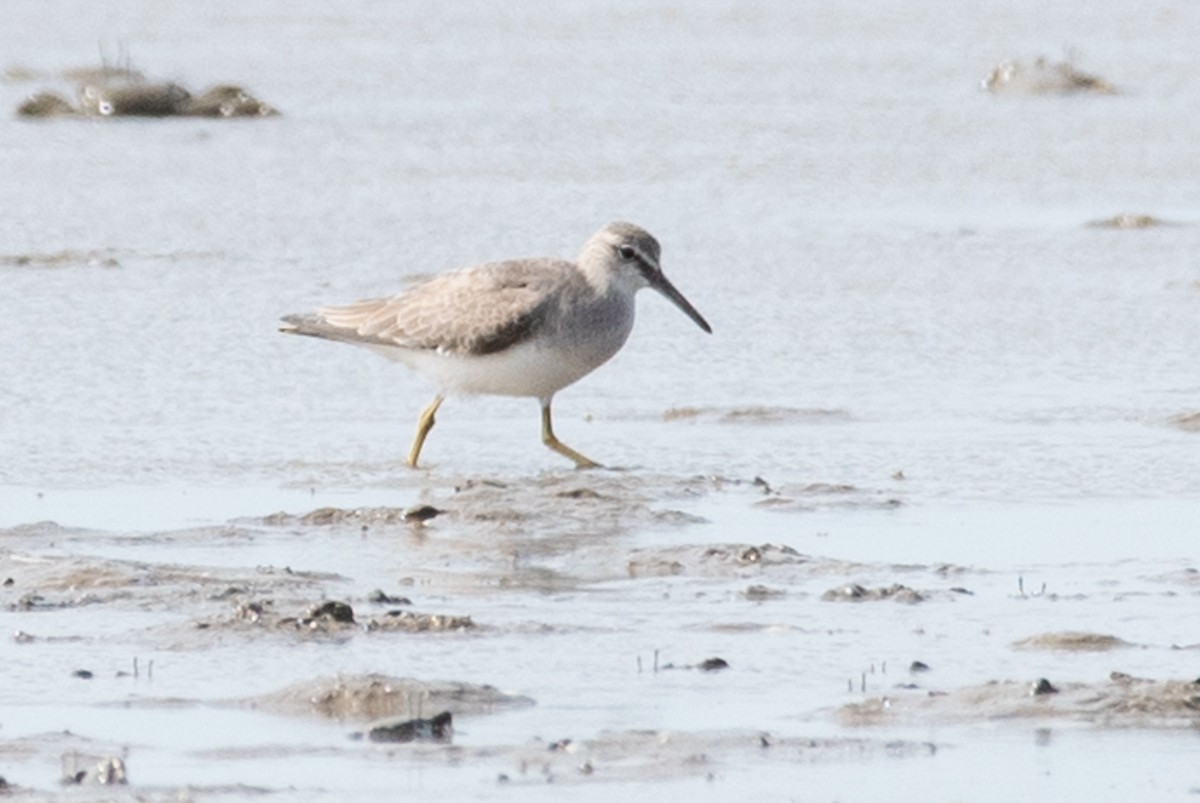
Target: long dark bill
<point>663,285</point>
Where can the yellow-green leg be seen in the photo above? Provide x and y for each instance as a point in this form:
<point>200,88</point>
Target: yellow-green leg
<point>424,424</point>
<point>557,445</point>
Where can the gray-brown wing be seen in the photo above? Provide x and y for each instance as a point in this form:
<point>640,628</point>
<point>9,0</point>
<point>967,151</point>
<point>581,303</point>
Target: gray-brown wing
<point>474,311</point>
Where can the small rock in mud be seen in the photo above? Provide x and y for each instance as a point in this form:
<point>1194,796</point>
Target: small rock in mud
<point>327,617</point>
<point>333,611</point>
<point>1043,77</point>
<point>435,729</point>
<point>918,666</point>
<point>379,598</point>
<point>712,665</point>
<point>83,674</point>
<point>856,593</point>
<point>421,514</point>
<point>1071,640</point>
<point>1042,686</point>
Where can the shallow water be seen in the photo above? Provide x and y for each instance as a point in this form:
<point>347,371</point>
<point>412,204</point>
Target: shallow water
<point>945,377</point>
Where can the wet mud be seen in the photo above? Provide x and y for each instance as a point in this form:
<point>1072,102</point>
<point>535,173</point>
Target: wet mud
<point>364,698</point>
<point>477,569</point>
<point>1123,701</point>
<point>1072,641</point>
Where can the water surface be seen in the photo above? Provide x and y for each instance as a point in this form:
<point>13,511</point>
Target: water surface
<point>944,376</point>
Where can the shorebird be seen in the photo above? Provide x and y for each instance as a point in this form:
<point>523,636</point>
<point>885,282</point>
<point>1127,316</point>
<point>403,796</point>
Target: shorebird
<point>525,327</point>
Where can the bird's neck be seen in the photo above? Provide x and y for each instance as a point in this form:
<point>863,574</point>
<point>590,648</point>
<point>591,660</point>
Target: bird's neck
<point>595,265</point>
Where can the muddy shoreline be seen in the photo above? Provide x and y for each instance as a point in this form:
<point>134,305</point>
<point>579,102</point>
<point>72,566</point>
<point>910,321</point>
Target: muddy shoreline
<point>527,563</point>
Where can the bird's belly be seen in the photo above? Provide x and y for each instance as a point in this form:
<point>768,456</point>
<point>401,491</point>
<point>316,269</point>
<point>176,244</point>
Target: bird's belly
<point>526,369</point>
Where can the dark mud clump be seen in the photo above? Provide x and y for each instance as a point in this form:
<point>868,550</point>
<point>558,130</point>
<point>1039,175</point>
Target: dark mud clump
<point>133,100</point>
<point>713,664</point>
<point>334,612</point>
<point>438,729</point>
<point>1043,686</point>
<point>380,598</point>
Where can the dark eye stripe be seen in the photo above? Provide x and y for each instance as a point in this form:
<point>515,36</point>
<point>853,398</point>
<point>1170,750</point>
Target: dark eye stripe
<point>644,266</point>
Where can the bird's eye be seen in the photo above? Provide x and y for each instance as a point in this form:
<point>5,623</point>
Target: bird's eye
<point>626,252</point>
